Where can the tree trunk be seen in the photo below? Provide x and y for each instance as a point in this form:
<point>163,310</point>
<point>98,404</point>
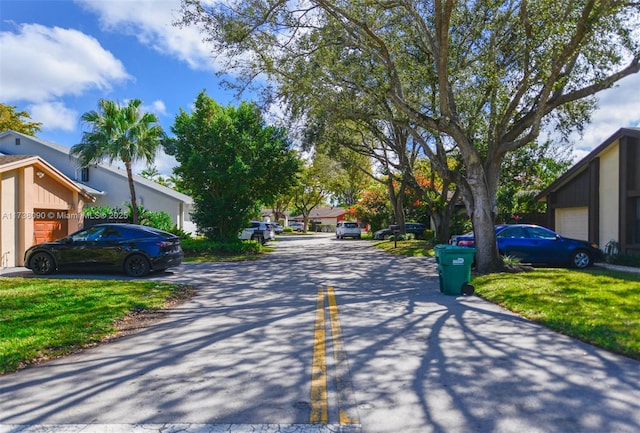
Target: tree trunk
<point>483,219</point>
<point>442,220</point>
<point>132,190</point>
<point>397,200</point>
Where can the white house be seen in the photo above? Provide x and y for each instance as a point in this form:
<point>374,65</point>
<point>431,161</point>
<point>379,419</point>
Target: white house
<point>108,184</point>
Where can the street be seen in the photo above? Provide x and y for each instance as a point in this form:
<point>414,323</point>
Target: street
<point>327,335</point>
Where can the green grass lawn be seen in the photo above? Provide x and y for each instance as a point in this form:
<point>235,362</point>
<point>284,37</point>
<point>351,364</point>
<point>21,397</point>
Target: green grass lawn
<point>596,306</point>
<point>413,248</point>
<point>47,318</point>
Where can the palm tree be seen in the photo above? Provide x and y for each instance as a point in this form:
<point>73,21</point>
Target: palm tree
<point>121,133</point>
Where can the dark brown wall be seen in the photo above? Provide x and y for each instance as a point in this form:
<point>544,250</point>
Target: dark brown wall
<point>629,193</point>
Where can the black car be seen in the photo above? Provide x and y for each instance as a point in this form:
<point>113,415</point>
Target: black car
<point>535,244</point>
<point>133,249</point>
<point>416,228</point>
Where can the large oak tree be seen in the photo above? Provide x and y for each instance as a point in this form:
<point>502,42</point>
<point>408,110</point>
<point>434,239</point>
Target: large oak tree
<point>485,77</point>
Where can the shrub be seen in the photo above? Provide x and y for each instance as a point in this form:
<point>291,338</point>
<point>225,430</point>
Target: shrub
<point>429,235</point>
<point>632,260</point>
<point>178,231</point>
<point>203,247</point>
<point>101,214</point>
<point>402,237</point>
<point>160,220</point>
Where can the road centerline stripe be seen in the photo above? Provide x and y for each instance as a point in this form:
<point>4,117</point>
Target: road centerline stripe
<point>319,405</point>
<point>347,407</point>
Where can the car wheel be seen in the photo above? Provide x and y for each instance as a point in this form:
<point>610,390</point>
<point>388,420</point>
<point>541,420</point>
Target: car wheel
<point>42,264</point>
<point>581,259</point>
<point>468,289</point>
<point>136,265</point>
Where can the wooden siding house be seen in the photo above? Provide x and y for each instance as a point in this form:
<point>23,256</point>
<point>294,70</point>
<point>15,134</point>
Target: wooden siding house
<point>38,204</point>
<point>598,199</point>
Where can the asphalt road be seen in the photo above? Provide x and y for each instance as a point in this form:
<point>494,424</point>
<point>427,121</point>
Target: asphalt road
<point>327,336</point>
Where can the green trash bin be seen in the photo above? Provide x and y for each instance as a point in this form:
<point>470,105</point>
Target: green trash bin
<point>454,269</point>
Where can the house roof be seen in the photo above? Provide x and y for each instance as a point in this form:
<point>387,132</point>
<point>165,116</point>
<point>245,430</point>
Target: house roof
<point>11,159</point>
<point>325,212</point>
<point>139,179</point>
<point>582,165</point>
<point>12,162</point>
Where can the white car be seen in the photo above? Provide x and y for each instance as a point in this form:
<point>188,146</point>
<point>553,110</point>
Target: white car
<point>348,229</point>
<point>259,231</point>
<point>296,226</point>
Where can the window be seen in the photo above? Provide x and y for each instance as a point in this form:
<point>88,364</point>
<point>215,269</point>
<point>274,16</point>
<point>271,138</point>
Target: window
<point>90,234</point>
<point>84,174</point>
<point>17,142</point>
<point>540,233</point>
<point>513,233</point>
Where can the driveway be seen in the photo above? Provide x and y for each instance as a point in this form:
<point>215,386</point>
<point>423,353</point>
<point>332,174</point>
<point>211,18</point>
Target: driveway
<point>327,335</point>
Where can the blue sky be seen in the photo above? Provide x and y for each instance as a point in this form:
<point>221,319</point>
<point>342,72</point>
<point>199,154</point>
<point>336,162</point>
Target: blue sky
<point>59,57</point>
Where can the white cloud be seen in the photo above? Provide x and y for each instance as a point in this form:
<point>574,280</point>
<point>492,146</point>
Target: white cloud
<point>618,107</point>
<point>54,115</point>
<point>158,107</point>
<point>41,64</point>
<point>151,22</point>
<point>163,163</point>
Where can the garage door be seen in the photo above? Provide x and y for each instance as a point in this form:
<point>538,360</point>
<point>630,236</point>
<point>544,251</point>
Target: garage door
<point>46,229</point>
<point>573,222</point>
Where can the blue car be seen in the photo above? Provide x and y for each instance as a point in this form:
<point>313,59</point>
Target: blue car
<point>536,244</point>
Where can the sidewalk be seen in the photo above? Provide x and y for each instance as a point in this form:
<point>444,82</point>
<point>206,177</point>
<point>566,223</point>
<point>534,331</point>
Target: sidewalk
<point>618,268</point>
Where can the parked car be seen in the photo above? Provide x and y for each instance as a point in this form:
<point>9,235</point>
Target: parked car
<point>277,228</point>
<point>258,231</point>
<point>133,249</point>
<point>348,229</point>
<point>296,226</point>
<point>416,228</point>
<point>536,244</point>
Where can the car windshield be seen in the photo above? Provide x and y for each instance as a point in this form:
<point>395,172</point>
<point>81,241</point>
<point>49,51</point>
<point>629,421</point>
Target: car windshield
<point>513,233</point>
<point>541,233</point>
<point>90,234</point>
<point>351,225</point>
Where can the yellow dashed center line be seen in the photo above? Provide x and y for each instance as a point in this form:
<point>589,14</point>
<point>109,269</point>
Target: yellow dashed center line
<point>319,405</point>
<point>347,408</point>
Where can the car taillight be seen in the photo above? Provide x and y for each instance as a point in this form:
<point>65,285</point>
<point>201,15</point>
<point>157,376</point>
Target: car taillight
<point>164,245</point>
<point>465,243</point>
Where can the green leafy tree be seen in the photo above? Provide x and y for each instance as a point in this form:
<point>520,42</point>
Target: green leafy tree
<point>152,173</point>
<point>350,175</point>
<point>495,74</point>
<point>232,162</point>
<point>374,207</point>
<point>525,173</point>
<point>123,133</point>
<point>18,121</point>
<point>311,189</point>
